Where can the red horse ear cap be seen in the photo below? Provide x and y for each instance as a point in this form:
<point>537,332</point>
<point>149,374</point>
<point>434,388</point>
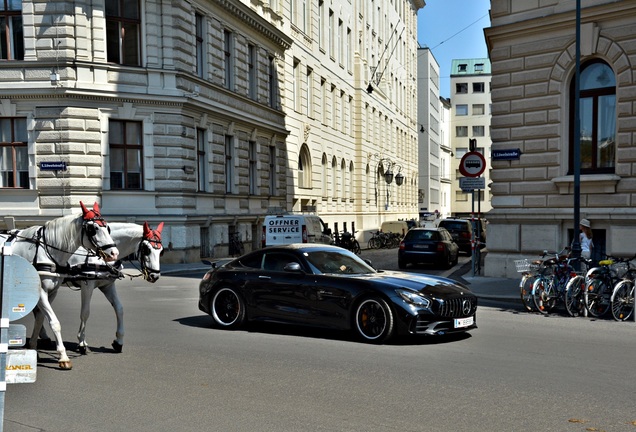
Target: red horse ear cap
<point>153,236</point>
<point>92,215</point>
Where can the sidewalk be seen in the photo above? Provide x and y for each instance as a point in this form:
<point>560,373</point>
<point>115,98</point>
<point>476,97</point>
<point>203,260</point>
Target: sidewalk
<point>487,288</point>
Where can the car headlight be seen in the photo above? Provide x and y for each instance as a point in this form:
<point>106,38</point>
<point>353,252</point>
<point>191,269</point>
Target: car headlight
<point>414,298</point>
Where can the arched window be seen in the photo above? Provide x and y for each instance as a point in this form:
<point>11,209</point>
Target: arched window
<point>304,168</point>
<point>334,177</point>
<point>343,179</point>
<point>597,111</point>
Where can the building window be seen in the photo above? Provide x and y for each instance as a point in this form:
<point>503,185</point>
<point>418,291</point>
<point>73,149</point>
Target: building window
<point>478,87</point>
<point>253,169</point>
<point>126,155</point>
<point>479,67</point>
<point>123,24</point>
<point>597,111</point>
<point>478,131</point>
<point>229,164</point>
<point>310,93</point>
<point>331,29</point>
<point>325,176</point>
<point>478,109</point>
<point>252,60</point>
<point>461,131</point>
<point>272,170</point>
<point>14,157</point>
<point>463,67</point>
<point>12,37</point>
<point>461,110</point>
<point>228,59</point>
<point>273,82</point>
<point>202,172</point>
<point>199,22</point>
<point>461,88</point>
<point>304,168</point>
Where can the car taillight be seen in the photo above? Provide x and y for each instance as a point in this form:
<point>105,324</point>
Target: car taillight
<point>440,247</point>
<point>465,235</point>
<point>305,237</point>
<point>402,245</point>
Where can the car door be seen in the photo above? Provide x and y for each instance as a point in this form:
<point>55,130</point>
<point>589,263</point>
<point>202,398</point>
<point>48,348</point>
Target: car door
<point>278,294</point>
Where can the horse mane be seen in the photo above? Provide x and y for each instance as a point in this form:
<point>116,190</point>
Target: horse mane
<point>127,236</point>
<point>65,233</point>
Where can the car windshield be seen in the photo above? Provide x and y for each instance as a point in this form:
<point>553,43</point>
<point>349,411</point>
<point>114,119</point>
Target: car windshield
<point>335,262</point>
<point>455,226</point>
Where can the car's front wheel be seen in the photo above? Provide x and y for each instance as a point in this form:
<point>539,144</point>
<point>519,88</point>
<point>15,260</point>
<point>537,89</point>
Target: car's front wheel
<point>374,320</point>
<point>228,308</point>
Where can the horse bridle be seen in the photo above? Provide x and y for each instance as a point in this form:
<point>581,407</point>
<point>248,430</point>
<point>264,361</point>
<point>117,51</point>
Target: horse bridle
<point>151,240</point>
<point>89,229</point>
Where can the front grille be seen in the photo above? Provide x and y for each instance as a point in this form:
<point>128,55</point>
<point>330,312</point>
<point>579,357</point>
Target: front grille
<point>457,307</point>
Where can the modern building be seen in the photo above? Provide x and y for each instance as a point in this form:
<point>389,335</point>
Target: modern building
<point>434,186</point>
<point>209,114</point>
<point>533,50</point>
<point>470,120</point>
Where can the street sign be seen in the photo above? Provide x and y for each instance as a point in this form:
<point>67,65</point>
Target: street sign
<point>471,183</point>
<point>52,166</point>
<point>472,164</point>
<point>509,154</point>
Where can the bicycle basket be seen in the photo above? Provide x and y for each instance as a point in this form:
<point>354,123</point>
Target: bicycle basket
<point>525,266</point>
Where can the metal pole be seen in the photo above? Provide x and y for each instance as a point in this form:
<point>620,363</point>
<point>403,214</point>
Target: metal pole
<point>576,243</point>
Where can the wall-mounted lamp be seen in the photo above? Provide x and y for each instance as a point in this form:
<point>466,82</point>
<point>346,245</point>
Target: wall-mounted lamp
<point>370,89</point>
<point>188,169</point>
<point>55,78</point>
<point>422,128</point>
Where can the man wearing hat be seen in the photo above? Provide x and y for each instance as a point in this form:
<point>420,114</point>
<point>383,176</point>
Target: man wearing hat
<point>586,239</point>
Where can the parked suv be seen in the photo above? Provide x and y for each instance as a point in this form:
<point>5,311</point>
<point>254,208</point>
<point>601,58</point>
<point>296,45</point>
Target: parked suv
<point>462,232</point>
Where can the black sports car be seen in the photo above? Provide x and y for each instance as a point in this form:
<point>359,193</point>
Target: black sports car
<point>327,286</point>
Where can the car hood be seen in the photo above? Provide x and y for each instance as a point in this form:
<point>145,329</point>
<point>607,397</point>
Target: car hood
<point>431,285</point>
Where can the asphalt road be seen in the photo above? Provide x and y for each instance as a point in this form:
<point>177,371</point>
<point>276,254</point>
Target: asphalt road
<point>516,372</point>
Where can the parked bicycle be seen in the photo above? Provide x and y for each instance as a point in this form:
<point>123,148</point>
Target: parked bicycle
<point>622,299</point>
<point>600,282</point>
<point>381,240</point>
<point>348,241</point>
<point>529,270</point>
<point>549,288</point>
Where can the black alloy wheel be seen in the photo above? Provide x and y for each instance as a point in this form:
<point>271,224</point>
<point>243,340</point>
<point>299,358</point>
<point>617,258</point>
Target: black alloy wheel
<point>374,320</point>
<point>228,309</point>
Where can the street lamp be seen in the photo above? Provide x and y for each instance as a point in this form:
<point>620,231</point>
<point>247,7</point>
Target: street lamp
<point>389,176</point>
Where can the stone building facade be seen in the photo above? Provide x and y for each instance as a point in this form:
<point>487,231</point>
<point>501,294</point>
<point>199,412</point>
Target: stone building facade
<point>197,113</point>
<point>532,46</point>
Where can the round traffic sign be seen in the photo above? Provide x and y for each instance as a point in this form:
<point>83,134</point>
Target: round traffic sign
<point>472,164</point>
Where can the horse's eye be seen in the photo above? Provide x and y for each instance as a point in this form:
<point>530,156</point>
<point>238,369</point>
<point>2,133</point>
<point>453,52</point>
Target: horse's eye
<point>91,231</point>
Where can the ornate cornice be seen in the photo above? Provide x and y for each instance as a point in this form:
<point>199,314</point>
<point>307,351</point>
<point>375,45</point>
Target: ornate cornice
<point>252,19</point>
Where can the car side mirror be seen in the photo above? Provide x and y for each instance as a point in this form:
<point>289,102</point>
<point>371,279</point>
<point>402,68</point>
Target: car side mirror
<point>293,267</point>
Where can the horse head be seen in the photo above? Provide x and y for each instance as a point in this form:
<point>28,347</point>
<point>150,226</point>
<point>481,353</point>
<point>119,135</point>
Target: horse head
<point>150,252</point>
<point>98,233</point>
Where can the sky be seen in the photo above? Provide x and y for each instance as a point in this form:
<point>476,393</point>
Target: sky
<point>453,29</point>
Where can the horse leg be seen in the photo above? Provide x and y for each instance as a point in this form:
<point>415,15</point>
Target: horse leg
<point>87,294</point>
<point>111,294</point>
<point>45,306</point>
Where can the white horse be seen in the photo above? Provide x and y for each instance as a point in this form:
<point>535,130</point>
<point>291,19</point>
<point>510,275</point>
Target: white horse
<point>145,243</point>
<point>49,248</point>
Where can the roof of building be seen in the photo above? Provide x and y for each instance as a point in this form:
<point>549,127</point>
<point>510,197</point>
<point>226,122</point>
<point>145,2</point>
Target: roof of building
<point>477,66</point>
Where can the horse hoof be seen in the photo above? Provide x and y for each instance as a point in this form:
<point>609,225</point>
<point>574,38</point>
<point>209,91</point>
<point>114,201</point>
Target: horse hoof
<point>82,350</point>
<point>66,365</point>
<point>117,346</point>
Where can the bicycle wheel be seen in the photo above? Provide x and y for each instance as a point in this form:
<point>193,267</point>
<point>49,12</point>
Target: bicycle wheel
<point>573,296</point>
<point>355,247</point>
<point>374,243</point>
<point>596,300</point>
<point>622,300</point>
<point>544,294</point>
<point>525,291</point>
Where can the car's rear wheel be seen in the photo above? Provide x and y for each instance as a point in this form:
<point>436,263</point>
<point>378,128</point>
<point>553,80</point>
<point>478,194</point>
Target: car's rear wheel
<point>374,320</point>
<point>228,308</point>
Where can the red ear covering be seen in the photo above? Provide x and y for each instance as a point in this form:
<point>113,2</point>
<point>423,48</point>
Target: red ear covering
<point>153,235</point>
<point>146,230</point>
<point>91,214</point>
<point>159,228</point>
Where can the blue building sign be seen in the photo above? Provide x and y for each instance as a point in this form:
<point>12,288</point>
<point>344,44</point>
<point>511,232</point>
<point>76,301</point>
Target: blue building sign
<point>509,154</point>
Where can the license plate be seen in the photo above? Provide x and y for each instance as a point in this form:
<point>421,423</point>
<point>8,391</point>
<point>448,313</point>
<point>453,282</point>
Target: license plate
<point>464,322</point>
<point>420,246</point>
